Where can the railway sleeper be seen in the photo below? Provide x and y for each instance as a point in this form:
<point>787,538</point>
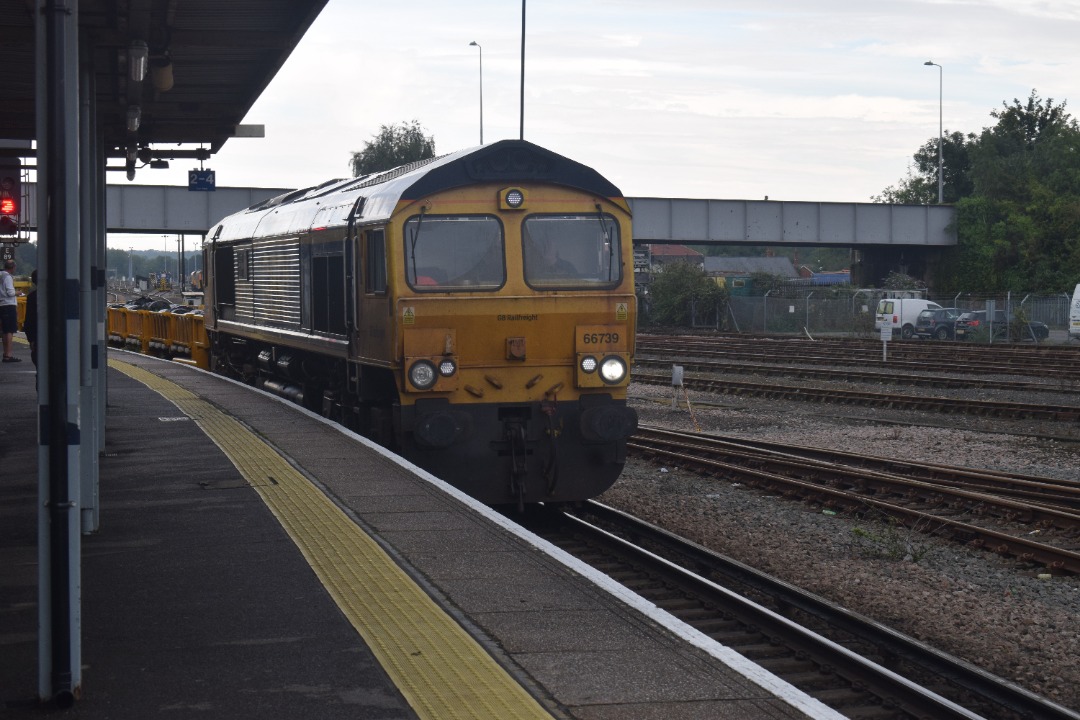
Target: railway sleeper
<point>818,682</point>
<point>714,627</point>
<point>837,697</point>
<point>783,663</point>
<point>737,638</point>
<point>688,612</point>
<point>778,654</point>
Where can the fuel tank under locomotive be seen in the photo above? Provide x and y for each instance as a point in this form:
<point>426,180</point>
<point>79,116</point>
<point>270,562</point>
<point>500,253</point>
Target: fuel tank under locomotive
<point>550,451</point>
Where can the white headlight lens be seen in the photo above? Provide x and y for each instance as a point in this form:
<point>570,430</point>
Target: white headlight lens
<point>447,368</point>
<point>422,374</point>
<point>612,370</point>
<point>588,364</point>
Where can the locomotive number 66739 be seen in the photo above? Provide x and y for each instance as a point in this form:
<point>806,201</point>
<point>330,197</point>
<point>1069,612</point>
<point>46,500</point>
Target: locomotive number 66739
<point>474,312</point>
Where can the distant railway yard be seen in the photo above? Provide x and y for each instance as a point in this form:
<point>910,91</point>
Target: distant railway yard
<point>936,492</point>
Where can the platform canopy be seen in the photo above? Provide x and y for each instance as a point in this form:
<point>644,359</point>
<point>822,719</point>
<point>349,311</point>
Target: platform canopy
<point>189,69</point>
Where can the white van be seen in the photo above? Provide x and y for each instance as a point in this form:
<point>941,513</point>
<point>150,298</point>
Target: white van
<point>900,314</point>
<point>1074,315</point>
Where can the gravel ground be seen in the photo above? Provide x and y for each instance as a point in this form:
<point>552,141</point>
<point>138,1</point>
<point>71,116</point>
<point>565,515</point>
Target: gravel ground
<point>993,612</point>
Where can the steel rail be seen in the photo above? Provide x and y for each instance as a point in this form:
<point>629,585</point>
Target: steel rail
<point>1058,496</point>
<point>856,684</point>
<point>921,379</point>
<point>1001,543</point>
<point>935,359</point>
<point>907,402</point>
<point>705,562</point>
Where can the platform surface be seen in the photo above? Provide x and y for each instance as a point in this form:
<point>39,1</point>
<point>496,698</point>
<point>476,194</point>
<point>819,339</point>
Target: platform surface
<point>205,595</point>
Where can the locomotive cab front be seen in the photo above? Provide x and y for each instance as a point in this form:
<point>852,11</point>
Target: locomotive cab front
<point>517,337</point>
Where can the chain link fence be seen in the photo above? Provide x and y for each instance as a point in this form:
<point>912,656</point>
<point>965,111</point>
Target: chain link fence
<point>835,311</point>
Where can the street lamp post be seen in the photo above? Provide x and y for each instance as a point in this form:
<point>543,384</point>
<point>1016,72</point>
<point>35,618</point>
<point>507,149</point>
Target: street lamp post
<point>941,137</point>
<point>481,89</point>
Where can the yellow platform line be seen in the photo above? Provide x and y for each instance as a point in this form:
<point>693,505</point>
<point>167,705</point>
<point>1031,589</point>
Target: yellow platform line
<point>439,668</point>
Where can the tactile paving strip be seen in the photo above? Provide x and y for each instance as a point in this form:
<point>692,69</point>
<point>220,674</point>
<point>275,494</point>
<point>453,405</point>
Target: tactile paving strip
<point>439,668</point>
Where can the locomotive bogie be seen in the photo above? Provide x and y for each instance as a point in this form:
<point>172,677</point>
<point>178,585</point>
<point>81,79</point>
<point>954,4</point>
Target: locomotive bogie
<point>532,452</point>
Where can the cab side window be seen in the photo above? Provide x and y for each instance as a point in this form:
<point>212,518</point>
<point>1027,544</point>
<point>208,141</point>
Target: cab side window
<point>375,265</point>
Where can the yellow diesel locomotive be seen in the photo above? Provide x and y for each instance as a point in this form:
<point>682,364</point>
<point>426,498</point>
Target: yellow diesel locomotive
<point>474,312</point>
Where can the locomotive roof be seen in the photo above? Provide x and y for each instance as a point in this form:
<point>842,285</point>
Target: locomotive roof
<point>329,204</point>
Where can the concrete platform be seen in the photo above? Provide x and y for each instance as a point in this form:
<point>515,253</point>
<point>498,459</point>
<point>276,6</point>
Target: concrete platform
<point>196,602</point>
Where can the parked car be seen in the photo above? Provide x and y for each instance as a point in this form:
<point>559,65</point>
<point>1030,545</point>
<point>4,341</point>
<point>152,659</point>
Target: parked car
<point>974,322</point>
<point>900,314</point>
<point>936,323</point>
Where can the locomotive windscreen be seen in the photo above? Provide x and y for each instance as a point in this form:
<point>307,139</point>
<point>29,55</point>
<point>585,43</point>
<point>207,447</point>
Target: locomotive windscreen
<point>571,251</point>
<point>447,252</point>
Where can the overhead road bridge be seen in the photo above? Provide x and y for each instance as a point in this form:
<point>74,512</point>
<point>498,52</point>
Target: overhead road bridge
<point>905,238</point>
<point>170,209</point>
<point>768,222</point>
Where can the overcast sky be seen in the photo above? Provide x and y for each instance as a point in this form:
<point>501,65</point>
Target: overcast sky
<point>731,99</point>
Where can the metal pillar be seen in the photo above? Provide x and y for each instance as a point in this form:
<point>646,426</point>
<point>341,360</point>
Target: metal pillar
<point>59,541</point>
<point>91,299</point>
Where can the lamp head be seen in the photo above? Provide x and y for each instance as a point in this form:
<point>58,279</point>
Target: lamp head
<point>138,57</point>
<point>474,43</point>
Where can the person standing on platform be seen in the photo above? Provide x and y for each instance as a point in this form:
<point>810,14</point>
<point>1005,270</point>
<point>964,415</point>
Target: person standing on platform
<point>9,309</point>
<point>30,326</point>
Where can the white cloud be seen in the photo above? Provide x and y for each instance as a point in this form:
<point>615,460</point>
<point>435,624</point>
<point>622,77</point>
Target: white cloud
<point>690,98</point>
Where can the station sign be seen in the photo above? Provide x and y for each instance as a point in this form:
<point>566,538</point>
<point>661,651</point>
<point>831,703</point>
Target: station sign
<point>202,180</point>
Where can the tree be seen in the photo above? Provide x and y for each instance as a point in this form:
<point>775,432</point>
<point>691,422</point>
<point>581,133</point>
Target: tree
<point>920,187</point>
<point>900,281</point>
<point>1016,186</point>
<point>1025,224</point>
<point>393,146</point>
<point>1024,149</point>
<point>674,287</point>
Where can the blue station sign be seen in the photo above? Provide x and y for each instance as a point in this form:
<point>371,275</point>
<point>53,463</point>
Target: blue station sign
<point>201,180</point>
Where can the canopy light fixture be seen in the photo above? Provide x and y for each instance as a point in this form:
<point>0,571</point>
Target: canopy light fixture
<point>134,117</point>
<point>138,57</point>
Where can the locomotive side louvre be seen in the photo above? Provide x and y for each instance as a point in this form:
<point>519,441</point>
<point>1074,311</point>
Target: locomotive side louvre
<point>476,313</point>
<point>275,299</point>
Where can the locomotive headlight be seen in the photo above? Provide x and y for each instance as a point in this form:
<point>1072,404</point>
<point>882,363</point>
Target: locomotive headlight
<point>422,375</point>
<point>588,364</point>
<point>612,369</point>
<point>447,367</point>
<point>514,198</point>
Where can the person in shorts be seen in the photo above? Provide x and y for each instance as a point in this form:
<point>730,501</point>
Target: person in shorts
<point>9,309</point>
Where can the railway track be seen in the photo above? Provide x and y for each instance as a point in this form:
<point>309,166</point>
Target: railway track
<point>993,511</point>
<point>852,664</point>
<point>1036,488</point>
<point>1061,362</point>
<point>833,374</point>
<point>984,408</point>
